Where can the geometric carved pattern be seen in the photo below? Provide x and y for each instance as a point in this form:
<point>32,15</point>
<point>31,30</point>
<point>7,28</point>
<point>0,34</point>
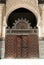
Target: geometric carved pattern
<point>21,46</point>
<point>21,24</point>
<point>34,47</point>
<point>10,46</point>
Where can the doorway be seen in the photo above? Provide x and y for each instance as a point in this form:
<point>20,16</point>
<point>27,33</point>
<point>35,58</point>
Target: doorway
<point>21,46</point>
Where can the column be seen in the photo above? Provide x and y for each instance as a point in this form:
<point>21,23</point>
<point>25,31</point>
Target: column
<point>41,42</point>
<point>1,28</point>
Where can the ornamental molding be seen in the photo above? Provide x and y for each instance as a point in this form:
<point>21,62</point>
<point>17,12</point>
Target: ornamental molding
<point>21,21</point>
<point>21,31</point>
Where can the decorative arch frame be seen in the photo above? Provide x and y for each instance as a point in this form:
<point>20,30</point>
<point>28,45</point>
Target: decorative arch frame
<point>27,6</point>
<point>20,21</point>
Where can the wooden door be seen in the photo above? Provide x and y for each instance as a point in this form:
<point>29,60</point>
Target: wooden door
<point>22,46</point>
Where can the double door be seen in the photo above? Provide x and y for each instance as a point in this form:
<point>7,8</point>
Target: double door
<point>22,46</point>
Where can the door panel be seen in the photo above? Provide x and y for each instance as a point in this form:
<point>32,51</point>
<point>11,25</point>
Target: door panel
<point>21,46</point>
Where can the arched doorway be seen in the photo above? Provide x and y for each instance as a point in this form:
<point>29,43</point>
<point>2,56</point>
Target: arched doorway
<point>20,30</point>
<point>24,13</point>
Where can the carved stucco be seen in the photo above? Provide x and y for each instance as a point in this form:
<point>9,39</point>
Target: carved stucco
<point>31,5</point>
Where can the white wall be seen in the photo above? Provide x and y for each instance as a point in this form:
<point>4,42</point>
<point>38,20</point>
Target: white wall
<point>0,48</point>
<point>31,5</point>
<point>41,49</point>
<point>41,24</point>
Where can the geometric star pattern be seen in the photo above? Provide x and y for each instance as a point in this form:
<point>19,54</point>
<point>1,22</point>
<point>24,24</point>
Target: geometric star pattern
<point>23,46</point>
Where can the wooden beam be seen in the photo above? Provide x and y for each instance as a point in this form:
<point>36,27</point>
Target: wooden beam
<point>41,1</point>
<point>3,1</point>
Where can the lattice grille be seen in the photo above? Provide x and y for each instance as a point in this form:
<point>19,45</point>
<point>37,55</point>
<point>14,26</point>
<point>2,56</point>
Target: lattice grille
<point>21,46</point>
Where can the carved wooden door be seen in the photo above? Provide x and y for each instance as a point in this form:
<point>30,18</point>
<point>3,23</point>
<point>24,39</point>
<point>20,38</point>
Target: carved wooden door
<point>22,46</point>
